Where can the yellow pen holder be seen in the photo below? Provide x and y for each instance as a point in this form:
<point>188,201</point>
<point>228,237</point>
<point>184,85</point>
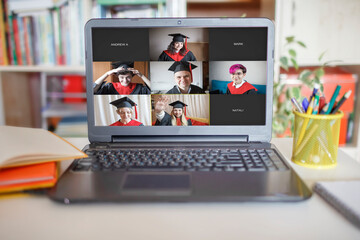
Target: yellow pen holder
<point>316,139</point>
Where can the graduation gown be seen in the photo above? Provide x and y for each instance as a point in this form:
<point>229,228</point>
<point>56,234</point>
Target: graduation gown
<point>166,121</point>
<point>194,90</point>
<point>117,88</point>
<point>166,56</point>
<point>246,88</point>
<point>131,123</point>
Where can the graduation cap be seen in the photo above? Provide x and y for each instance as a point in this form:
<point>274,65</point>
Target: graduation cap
<point>178,37</point>
<point>124,102</point>
<point>182,66</point>
<point>178,104</point>
<point>125,65</point>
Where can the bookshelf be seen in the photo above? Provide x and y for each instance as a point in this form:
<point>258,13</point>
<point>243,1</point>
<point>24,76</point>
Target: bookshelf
<point>46,43</point>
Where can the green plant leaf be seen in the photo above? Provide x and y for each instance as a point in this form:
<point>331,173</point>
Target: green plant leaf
<point>290,39</point>
<point>321,56</point>
<point>284,63</point>
<point>295,92</point>
<point>319,72</point>
<point>292,53</point>
<point>243,15</point>
<point>296,66</point>
<point>333,61</point>
<point>301,44</point>
<point>305,74</point>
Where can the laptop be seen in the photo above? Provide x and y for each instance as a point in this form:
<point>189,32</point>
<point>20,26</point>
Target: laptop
<point>179,110</point>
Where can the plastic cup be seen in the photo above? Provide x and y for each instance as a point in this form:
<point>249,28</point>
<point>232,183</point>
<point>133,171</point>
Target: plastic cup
<point>316,139</point>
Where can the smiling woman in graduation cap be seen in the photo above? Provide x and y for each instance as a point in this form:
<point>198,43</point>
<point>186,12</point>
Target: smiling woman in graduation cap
<point>183,79</point>
<point>125,72</point>
<point>124,109</point>
<point>177,50</point>
<point>177,116</point>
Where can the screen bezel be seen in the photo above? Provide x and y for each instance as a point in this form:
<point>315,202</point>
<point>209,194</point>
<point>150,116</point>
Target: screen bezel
<point>252,132</point>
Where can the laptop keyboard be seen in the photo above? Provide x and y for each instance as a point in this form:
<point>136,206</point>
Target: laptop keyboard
<point>197,159</point>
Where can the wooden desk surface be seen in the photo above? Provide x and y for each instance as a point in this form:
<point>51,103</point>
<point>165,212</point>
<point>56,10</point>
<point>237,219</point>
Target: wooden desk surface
<point>37,217</point>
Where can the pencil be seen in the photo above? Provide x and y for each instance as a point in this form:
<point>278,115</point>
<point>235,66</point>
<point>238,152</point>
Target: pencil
<point>333,98</point>
<point>305,123</point>
<point>341,102</point>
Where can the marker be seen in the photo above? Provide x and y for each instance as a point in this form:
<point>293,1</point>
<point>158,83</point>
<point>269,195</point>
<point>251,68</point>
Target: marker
<point>297,105</point>
<point>321,103</point>
<point>305,123</point>
<point>305,104</point>
<point>333,98</point>
<point>341,102</point>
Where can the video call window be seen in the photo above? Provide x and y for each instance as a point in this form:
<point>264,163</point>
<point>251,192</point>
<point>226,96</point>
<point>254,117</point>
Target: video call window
<point>218,76</point>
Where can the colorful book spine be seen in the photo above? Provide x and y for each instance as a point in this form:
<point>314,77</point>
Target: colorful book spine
<point>4,60</point>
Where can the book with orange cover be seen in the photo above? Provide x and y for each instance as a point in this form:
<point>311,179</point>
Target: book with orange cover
<point>34,176</point>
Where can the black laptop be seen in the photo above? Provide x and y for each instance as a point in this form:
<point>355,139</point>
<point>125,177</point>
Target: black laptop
<point>179,109</point>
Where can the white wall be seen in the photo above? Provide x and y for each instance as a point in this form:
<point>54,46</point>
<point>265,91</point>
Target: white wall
<point>255,71</point>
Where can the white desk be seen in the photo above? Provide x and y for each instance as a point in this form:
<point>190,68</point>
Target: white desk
<point>37,217</point>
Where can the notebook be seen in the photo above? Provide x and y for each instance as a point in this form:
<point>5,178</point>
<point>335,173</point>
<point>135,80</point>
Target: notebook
<point>344,196</point>
<point>179,110</point>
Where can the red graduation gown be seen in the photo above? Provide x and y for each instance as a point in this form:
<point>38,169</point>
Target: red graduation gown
<point>244,88</point>
<point>131,123</point>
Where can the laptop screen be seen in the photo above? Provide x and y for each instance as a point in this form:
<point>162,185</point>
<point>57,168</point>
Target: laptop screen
<point>178,76</point>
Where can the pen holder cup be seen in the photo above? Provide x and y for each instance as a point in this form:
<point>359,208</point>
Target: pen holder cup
<point>316,139</point>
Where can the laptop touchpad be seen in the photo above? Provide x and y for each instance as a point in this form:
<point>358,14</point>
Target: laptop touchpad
<point>162,183</point>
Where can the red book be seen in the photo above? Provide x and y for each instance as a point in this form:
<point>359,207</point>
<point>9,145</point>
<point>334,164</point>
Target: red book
<point>73,84</point>
<point>17,41</point>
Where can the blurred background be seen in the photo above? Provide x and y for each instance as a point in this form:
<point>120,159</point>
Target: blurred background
<point>42,69</point>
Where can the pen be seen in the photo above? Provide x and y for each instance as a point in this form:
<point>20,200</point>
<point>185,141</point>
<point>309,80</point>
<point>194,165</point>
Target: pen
<point>305,104</point>
<point>333,98</point>
<point>297,105</point>
<point>341,102</point>
<point>324,109</point>
<point>315,90</point>
<point>316,105</point>
<point>305,123</point>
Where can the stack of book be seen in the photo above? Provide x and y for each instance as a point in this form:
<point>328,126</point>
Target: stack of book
<point>29,158</point>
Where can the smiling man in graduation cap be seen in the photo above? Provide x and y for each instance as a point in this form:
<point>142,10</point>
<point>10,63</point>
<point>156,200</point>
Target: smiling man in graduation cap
<point>125,72</point>
<point>124,109</point>
<point>177,116</point>
<point>177,50</point>
<point>183,79</point>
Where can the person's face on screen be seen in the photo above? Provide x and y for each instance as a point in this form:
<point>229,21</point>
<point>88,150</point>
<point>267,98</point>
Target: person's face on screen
<point>238,76</point>
<point>178,45</point>
<point>125,79</point>
<point>125,114</point>
<point>177,112</point>
<point>183,79</point>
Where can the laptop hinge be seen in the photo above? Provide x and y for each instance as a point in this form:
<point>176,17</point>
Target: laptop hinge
<point>166,139</point>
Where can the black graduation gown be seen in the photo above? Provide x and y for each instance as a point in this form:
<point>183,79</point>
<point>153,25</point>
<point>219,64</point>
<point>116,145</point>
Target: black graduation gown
<point>166,121</point>
<point>108,88</point>
<point>194,90</point>
<point>188,57</point>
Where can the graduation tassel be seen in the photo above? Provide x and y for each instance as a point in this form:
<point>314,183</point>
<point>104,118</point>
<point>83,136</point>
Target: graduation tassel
<point>136,115</point>
<point>185,111</point>
<point>186,43</point>
<point>191,72</point>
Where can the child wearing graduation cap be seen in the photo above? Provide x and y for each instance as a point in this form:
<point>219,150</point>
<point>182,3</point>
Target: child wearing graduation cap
<point>124,109</point>
<point>177,116</point>
<point>238,84</point>
<point>177,50</point>
<point>125,72</point>
<point>183,79</point>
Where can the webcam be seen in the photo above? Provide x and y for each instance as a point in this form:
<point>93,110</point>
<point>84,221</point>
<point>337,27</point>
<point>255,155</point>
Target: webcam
<point>179,22</point>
